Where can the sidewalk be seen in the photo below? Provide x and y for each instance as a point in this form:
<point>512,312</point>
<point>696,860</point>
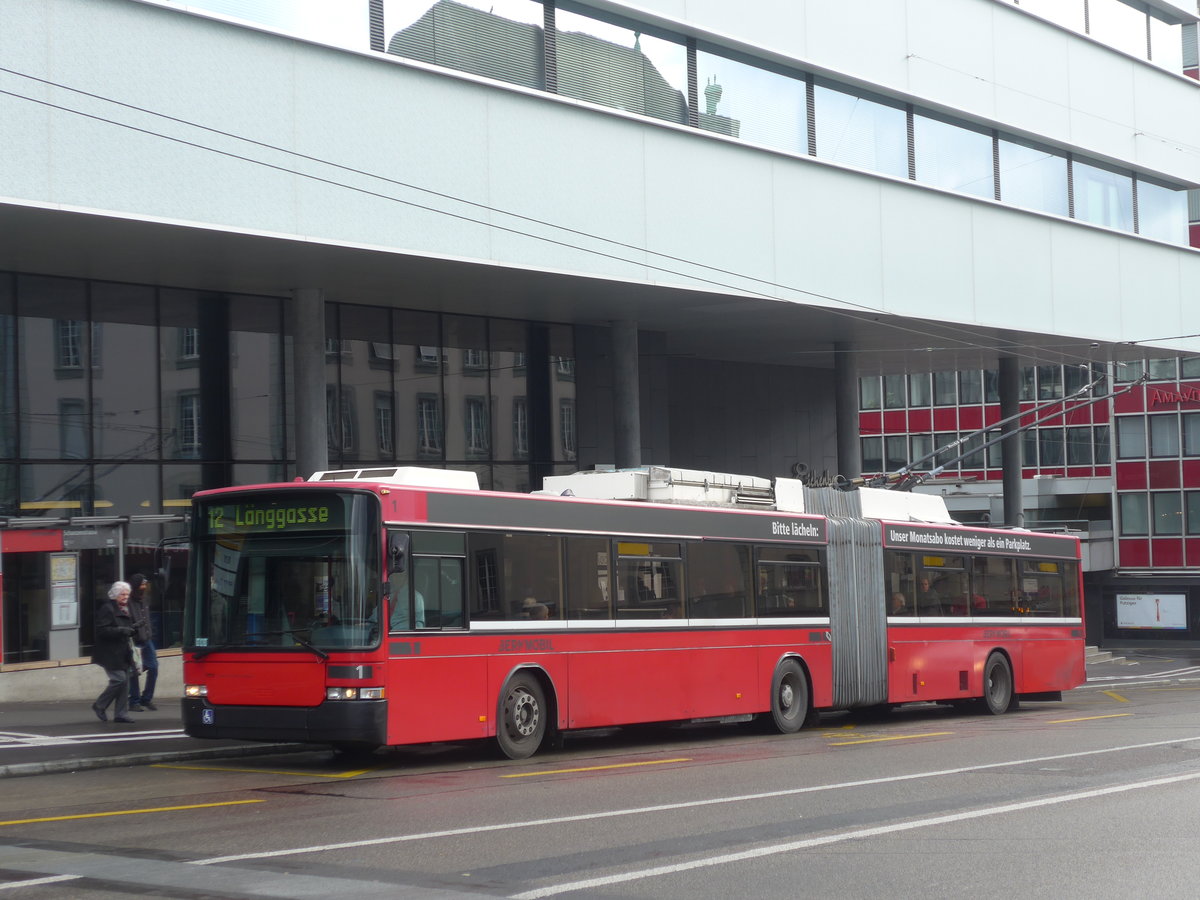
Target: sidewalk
<point>47,724</point>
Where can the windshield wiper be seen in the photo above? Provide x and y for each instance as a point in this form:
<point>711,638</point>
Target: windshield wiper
<point>294,632</point>
<point>202,652</point>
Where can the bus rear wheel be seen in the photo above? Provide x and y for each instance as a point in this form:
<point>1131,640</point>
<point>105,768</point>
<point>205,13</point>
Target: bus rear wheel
<point>998,696</point>
<point>522,718</point>
<point>789,697</point>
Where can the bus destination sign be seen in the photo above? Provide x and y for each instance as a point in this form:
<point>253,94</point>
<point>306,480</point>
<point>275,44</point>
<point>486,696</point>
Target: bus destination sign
<point>280,517</point>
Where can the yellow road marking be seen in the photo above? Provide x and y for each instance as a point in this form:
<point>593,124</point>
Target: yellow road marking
<point>130,812</point>
<point>899,737</point>
<point>265,771</point>
<point>1116,696</point>
<point>655,762</point>
<point>1089,718</point>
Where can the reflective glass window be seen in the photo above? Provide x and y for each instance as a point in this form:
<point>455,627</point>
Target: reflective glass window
<point>1033,178</point>
<point>616,64</point>
<point>922,449</point>
<point>1103,453</point>
<point>1103,197</point>
<point>856,131</point>
<point>918,390</point>
<point>896,452</point>
<point>1191,434</point>
<point>972,448</point>
<point>953,157</point>
<point>514,576</point>
<point>501,39</point>
<point>1162,212</point>
<point>1079,446</point>
<point>893,392</point>
<point>1135,518</point>
<point>589,578</point>
<point>1050,446</point>
<point>868,392</point>
<point>991,386</point>
<point>872,454</point>
<point>718,577</point>
<point>1164,435</point>
<point>1192,501</point>
<point>944,457</point>
<point>1190,367</point>
<point>751,102</point>
<point>1168,512</point>
<point>970,386</point>
<point>1129,370</point>
<point>1050,382</point>
<point>1163,369</point>
<point>945,388</point>
<point>1131,437</point>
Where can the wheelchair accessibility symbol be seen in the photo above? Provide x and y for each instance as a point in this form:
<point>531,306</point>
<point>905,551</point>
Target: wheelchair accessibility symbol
<point>206,716</point>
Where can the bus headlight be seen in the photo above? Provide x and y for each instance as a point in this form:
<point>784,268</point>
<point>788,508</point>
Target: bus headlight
<point>353,693</point>
<point>195,690</point>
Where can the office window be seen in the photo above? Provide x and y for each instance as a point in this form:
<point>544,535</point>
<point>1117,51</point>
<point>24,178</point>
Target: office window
<point>972,450</point>
<point>991,386</point>
<point>1168,512</point>
<point>1079,446</point>
<point>893,392</point>
<point>1029,447</point>
<point>872,454</point>
<point>1049,382</point>
<point>921,455</point>
<point>1190,367</point>
<point>953,157</point>
<point>1135,518</point>
<point>1050,446</point>
<point>1033,178</point>
<point>1103,453</point>
<point>1076,378</point>
<point>944,457</point>
<point>995,453</point>
<point>868,392</point>
<point>1192,501</point>
<point>1190,423</point>
<point>1102,196</point>
<point>1131,437</point>
<point>970,386</point>
<point>919,393</point>
<point>1164,435</point>
<point>896,448</point>
<point>1129,370</point>
<point>856,131</point>
<point>945,389</point>
<point>1028,388</point>
<point>1163,369</point>
<point>749,101</point>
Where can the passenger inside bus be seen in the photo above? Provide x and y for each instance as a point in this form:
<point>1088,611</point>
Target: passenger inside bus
<point>929,601</point>
<point>899,605</point>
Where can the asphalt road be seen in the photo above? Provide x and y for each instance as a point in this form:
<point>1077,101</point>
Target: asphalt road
<point>1092,797</point>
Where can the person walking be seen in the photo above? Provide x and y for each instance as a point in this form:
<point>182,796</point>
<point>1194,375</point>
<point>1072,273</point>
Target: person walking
<point>141,698</point>
<point>113,652</point>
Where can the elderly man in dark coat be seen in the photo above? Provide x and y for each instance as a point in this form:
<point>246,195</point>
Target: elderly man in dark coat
<point>113,652</point>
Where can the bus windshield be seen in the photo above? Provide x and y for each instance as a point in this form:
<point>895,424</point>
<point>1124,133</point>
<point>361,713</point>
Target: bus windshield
<point>285,570</point>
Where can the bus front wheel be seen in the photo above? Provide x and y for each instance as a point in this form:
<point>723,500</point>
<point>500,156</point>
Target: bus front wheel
<point>522,718</point>
<point>789,697</point>
<point>998,696</point>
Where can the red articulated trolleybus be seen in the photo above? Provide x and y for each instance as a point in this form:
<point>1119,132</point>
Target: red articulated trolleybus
<point>393,606</point>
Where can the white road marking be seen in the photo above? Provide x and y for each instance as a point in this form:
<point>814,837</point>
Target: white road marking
<point>11,739</point>
<point>32,882</point>
<point>790,846</point>
<point>644,810</point>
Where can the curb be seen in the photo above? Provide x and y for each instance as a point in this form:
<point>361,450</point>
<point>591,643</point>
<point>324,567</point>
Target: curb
<point>58,766</point>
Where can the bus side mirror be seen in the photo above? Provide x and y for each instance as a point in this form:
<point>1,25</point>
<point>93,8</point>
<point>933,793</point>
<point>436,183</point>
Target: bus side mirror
<point>397,562</point>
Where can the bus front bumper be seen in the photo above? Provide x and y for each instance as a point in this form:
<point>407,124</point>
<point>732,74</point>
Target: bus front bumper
<point>333,722</point>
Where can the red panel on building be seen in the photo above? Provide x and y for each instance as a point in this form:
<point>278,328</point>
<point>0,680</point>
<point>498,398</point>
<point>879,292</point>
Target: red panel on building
<point>920,421</point>
<point>1167,552</point>
<point>1191,473</point>
<point>895,421</point>
<point>1079,416</point>
<point>1192,549</point>
<point>1193,230</point>
<point>870,423</point>
<point>970,418</point>
<point>945,418</point>
<point>1131,476</point>
<point>1134,551</point>
<point>1057,473</point>
<point>1130,401</point>
<point>991,414</point>
<point>1163,474</point>
<point>1100,415</point>
<point>1103,472</point>
<point>31,540</point>
<point>1080,472</point>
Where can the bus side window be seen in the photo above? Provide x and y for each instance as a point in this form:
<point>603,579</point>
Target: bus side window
<point>438,592</point>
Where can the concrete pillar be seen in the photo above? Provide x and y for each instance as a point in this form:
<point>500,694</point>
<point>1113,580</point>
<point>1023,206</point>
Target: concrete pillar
<point>308,383</point>
<point>845,408</point>
<point>1010,405</point>
<point>627,411</point>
